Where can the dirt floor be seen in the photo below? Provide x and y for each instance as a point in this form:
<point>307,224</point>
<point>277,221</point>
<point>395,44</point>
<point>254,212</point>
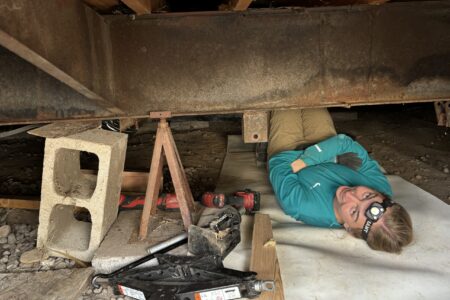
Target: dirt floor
<point>406,142</point>
<point>404,139</point>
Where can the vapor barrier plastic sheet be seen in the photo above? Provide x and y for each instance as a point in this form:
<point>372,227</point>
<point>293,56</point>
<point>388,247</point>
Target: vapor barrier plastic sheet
<point>321,263</point>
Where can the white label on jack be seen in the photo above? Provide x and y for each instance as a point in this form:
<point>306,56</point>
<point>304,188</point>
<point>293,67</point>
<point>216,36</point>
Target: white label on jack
<point>222,294</point>
<point>136,294</point>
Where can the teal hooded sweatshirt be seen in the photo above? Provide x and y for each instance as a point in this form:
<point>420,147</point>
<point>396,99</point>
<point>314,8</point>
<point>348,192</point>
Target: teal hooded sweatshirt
<point>308,194</point>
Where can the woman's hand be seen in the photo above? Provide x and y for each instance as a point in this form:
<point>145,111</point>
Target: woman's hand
<point>297,165</point>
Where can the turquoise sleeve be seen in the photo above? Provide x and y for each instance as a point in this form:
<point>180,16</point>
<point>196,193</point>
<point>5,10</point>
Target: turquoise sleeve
<point>327,150</point>
<point>285,183</point>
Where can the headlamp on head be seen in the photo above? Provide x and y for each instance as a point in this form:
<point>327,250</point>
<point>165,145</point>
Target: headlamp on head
<point>373,213</point>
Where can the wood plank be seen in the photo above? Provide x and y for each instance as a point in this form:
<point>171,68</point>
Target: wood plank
<point>66,128</point>
<point>29,203</point>
<point>132,182</point>
<point>264,259</point>
<point>141,7</point>
<point>240,4</point>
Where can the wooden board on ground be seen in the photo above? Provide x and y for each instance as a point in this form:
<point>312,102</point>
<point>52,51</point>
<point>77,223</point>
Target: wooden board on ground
<point>264,259</point>
<point>28,203</point>
<point>60,284</point>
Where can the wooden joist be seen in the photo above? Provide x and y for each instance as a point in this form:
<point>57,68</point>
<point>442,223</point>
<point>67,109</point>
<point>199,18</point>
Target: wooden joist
<point>264,259</point>
<point>240,4</point>
<point>142,7</point>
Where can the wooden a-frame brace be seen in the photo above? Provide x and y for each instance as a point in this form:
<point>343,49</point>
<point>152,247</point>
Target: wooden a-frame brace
<point>165,142</point>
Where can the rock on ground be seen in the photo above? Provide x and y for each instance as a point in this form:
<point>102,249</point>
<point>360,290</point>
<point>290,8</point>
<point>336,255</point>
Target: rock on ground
<point>5,230</point>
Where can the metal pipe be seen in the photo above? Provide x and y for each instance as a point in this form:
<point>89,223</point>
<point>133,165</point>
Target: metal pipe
<point>176,239</point>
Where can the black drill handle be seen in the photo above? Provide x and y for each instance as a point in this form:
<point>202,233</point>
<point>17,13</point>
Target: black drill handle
<point>235,200</point>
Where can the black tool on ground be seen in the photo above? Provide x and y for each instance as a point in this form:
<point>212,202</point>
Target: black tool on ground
<point>165,246</point>
<point>189,278</point>
<point>247,199</point>
<point>216,233</point>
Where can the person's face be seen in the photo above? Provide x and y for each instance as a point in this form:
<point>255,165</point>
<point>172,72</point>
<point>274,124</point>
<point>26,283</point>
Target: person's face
<point>351,204</point>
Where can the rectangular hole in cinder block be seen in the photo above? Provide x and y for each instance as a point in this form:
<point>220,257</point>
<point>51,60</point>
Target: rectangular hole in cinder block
<point>68,178</point>
<point>69,229</point>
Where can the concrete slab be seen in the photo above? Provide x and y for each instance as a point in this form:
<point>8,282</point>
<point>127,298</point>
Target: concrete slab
<point>318,263</point>
<point>121,245</point>
<point>64,284</point>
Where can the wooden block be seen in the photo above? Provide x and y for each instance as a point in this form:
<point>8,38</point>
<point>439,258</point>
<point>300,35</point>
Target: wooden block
<point>132,182</point>
<point>264,256</point>
<point>135,182</point>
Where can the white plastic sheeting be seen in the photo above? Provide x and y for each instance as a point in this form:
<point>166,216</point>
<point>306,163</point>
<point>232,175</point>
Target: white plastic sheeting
<point>319,263</point>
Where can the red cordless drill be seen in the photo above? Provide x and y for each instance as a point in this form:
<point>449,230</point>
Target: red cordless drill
<point>166,202</point>
<point>247,199</point>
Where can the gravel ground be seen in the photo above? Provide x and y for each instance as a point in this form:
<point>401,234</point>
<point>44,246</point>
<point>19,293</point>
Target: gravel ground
<point>15,239</point>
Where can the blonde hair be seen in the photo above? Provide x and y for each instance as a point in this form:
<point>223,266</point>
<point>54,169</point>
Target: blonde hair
<point>394,233</point>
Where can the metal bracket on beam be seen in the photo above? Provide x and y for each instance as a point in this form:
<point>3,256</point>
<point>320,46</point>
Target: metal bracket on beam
<point>255,126</point>
<point>442,109</point>
<point>160,115</point>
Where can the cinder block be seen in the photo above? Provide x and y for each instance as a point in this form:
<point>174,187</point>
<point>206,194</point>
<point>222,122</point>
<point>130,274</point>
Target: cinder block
<point>65,187</point>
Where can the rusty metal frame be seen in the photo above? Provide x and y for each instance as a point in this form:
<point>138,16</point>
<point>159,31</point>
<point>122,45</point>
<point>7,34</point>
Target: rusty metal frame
<point>225,62</point>
<point>233,62</point>
<point>66,40</point>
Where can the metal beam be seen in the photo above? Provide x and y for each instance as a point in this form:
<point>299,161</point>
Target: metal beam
<point>260,60</point>
<point>219,62</point>
<point>64,39</point>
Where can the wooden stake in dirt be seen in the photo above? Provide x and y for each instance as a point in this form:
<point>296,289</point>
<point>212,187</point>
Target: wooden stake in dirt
<point>264,256</point>
<point>165,142</point>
